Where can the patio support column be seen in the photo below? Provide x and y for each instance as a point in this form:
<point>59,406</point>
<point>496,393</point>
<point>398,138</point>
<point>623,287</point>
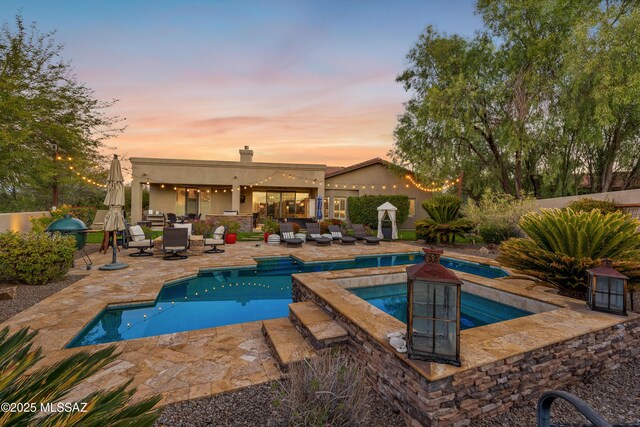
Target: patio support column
<point>136,201</point>
<point>235,198</point>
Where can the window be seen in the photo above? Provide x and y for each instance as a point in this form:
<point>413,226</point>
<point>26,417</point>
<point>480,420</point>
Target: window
<point>412,207</point>
<point>325,207</point>
<point>340,207</point>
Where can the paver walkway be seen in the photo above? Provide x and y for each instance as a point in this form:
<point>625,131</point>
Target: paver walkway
<point>183,365</point>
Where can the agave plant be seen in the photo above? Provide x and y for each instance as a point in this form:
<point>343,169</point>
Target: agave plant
<point>444,220</point>
<point>52,384</point>
<point>563,244</point>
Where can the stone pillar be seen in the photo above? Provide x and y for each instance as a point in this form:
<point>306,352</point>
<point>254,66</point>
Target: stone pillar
<point>235,198</point>
<point>136,201</point>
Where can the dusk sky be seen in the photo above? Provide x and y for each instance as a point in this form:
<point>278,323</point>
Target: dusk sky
<point>298,81</point>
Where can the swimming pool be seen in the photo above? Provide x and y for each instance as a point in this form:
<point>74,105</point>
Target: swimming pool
<point>474,310</point>
<point>232,295</point>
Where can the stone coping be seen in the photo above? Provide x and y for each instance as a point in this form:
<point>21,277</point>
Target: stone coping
<point>179,366</point>
<point>479,346</point>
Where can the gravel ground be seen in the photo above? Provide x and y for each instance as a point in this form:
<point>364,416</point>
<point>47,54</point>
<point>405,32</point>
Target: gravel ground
<point>250,407</point>
<point>614,394</point>
<point>31,295</point>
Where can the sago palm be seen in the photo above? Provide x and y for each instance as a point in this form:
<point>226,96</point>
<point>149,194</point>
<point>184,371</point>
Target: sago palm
<point>444,220</point>
<point>52,384</point>
<point>562,245</point>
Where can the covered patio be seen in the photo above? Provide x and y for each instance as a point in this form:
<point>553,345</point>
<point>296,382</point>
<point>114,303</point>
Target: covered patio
<point>250,190</point>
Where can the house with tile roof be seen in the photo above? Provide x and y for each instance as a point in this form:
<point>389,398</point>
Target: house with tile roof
<point>255,190</point>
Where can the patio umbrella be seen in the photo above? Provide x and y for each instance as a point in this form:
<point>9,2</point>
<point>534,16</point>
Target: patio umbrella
<point>113,221</point>
<point>319,208</point>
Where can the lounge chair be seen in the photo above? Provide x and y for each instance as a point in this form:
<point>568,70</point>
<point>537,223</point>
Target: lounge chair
<point>215,241</point>
<point>313,234</point>
<point>134,238</point>
<point>337,234</point>
<point>288,236</point>
<point>361,234</point>
<point>174,241</point>
<point>98,220</point>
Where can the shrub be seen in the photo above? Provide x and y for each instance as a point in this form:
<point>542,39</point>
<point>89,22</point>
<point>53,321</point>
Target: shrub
<point>497,214</point>
<point>364,209</point>
<point>587,204</point>
<point>324,391</point>
<point>562,245</point>
<point>85,214</point>
<point>231,225</point>
<point>148,232</point>
<point>54,383</point>
<point>445,220</point>
<point>35,258</point>
<point>270,225</point>
<point>202,228</point>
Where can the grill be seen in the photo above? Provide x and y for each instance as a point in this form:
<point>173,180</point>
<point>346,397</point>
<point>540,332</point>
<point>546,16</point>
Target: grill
<point>73,227</point>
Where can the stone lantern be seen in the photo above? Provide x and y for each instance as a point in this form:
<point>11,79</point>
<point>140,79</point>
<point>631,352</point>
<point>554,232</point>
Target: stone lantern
<point>607,289</point>
<point>433,311</point>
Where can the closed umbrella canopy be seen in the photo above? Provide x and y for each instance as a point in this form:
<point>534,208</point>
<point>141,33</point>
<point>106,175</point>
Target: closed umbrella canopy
<point>114,221</point>
<point>319,208</point>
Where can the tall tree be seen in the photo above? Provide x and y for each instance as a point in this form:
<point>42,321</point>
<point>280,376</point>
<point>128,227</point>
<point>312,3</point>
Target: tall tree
<point>46,116</point>
<point>530,103</point>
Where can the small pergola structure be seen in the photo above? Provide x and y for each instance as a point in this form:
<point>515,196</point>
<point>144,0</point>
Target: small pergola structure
<point>387,209</point>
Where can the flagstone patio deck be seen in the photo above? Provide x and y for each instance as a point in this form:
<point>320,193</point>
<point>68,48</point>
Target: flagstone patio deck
<point>179,366</point>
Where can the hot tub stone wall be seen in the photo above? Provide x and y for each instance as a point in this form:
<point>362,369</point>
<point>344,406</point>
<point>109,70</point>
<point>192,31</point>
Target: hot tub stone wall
<point>488,389</point>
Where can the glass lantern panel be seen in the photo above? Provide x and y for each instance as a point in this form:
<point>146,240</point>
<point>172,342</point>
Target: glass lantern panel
<point>423,302</point>
<point>616,286</point>
<point>446,302</point>
<point>602,299</point>
<point>616,302</point>
<point>445,338</point>
<point>423,325</point>
<point>423,344</point>
<point>602,284</point>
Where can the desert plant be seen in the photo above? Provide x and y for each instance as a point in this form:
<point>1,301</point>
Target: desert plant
<point>496,215</point>
<point>562,245</point>
<point>364,209</point>
<point>587,204</point>
<point>270,225</point>
<point>35,258</point>
<point>445,220</point>
<point>324,391</point>
<point>52,384</point>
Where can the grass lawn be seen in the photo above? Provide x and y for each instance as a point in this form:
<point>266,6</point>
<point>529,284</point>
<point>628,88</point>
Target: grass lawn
<point>407,234</point>
<point>97,237</point>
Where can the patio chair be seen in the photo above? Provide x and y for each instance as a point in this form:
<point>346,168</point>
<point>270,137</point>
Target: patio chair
<point>171,218</point>
<point>313,234</point>
<point>174,241</point>
<point>215,241</point>
<point>361,234</point>
<point>186,225</point>
<point>288,236</point>
<point>134,239</point>
<point>337,234</point>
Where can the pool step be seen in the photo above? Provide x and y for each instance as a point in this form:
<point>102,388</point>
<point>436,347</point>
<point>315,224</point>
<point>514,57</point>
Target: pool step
<point>316,325</point>
<point>286,343</point>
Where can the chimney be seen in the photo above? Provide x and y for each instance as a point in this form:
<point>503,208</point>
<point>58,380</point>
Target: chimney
<point>246,155</point>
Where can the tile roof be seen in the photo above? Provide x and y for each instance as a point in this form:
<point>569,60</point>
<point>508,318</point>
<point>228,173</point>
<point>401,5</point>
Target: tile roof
<point>336,170</point>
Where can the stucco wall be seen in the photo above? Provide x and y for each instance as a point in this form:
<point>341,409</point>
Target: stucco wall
<point>19,221</point>
<point>620,197</point>
<point>376,175</point>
